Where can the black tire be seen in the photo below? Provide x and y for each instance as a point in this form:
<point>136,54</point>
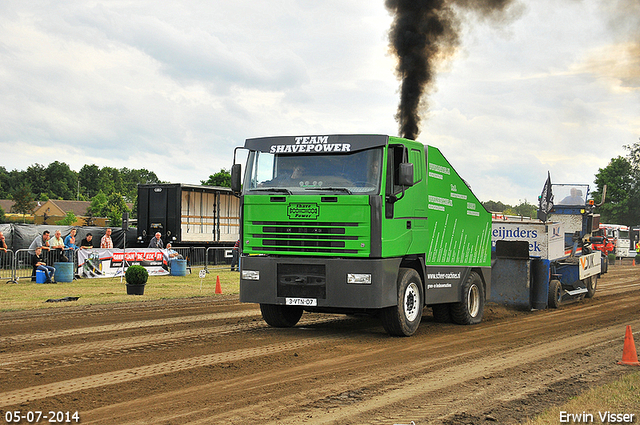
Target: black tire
<point>470,309</point>
<point>555,294</point>
<point>604,267</point>
<point>592,284</point>
<point>441,313</point>
<point>280,316</point>
<point>404,318</point>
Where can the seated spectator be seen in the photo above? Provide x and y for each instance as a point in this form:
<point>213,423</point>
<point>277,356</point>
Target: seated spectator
<point>39,264</point>
<point>86,242</point>
<point>70,240</point>
<point>173,254</point>
<point>57,244</point>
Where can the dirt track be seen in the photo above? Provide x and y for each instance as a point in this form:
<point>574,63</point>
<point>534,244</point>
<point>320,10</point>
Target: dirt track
<point>213,361</point>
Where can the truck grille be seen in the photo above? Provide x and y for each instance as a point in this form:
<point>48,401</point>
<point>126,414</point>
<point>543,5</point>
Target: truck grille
<point>302,280</point>
<point>310,237</point>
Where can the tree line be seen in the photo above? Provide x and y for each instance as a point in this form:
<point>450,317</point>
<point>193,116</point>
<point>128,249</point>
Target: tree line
<point>622,177</point>
<point>108,189</point>
<point>524,208</point>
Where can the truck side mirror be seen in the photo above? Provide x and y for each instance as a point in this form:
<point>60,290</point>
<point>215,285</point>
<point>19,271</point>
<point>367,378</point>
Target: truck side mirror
<point>405,177</point>
<point>236,170</point>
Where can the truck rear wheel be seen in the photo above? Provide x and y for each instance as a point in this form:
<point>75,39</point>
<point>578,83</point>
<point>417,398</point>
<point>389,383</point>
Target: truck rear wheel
<point>555,294</point>
<point>280,316</point>
<point>470,309</point>
<point>404,318</point>
<point>592,283</point>
<point>604,265</point>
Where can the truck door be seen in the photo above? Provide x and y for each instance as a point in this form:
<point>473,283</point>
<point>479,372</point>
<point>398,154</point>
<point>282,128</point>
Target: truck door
<point>404,208</point>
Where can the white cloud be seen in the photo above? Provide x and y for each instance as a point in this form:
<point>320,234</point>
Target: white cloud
<point>174,87</point>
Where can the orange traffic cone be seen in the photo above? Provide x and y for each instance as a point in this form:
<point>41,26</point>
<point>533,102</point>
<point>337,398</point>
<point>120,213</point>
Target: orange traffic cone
<point>629,355</point>
<point>634,261</point>
<point>219,288</point>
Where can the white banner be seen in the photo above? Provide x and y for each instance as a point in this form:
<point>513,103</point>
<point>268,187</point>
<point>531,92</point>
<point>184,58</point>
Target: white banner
<point>590,265</point>
<point>546,240</point>
<point>100,262</point>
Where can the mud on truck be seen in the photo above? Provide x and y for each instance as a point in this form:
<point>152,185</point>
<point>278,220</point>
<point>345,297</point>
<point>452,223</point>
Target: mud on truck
<point>360,224</point>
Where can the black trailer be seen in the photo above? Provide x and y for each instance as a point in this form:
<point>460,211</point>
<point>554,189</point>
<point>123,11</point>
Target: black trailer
<point>188,214</point>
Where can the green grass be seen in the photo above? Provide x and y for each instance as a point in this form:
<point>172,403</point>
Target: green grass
<point>29,295</point>
<point>620,396</point>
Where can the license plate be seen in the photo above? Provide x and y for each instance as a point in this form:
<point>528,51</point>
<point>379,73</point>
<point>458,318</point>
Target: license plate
<point>303,302</point>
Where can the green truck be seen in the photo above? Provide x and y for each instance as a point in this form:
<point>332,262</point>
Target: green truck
<point>359,224</point>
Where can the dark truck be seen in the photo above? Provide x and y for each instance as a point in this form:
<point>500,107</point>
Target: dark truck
<point>188,214</point>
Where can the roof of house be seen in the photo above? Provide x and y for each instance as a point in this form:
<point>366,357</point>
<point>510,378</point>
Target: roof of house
<point>6,205</point>
<point>79,208</point>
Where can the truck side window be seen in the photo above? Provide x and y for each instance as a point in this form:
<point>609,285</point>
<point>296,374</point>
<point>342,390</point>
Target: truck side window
<point>395,156</point>
<point>418,161</point>
<point>399,155</point>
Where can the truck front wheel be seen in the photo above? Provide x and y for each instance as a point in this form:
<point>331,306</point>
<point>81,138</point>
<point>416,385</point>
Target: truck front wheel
<point>470,309</point>
<point>404,318</point>
<point>280,316</point>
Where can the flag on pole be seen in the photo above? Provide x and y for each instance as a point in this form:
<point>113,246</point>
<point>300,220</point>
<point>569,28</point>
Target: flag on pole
<point>545,200</point>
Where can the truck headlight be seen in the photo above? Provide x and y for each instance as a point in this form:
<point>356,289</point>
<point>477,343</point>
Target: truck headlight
<point>359,278</point>
<point>251,274</point>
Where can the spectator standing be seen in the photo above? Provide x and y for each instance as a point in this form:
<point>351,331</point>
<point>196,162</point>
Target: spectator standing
<point>235,255</point>
<point>106,241</point>
<point>70,240</point>
<point>156,242</point>
<point>39,264</point>
<point>40,241</point>
<point>3,244</point>
<point>57,244</point>
<point>86,242</point>
<point>3,249</point>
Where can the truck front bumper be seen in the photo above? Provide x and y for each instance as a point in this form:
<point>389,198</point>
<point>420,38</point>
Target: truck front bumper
<point>320,281</point>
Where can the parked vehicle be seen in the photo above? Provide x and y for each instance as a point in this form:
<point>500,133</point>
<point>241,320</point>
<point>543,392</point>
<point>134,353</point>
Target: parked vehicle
<point>188,214</point>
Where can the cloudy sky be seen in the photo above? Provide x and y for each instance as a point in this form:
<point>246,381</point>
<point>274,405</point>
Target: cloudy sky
<point>173,87</point>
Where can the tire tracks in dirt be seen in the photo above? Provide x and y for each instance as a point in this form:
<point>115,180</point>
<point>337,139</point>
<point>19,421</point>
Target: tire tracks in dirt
<point>326,370</point>
<point>425,385</point>
<point>123,326</point>
<point>10,398</point>
<point>365,395</point>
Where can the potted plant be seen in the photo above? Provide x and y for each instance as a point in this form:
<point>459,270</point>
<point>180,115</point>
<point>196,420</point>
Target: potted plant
<point>136,277</point>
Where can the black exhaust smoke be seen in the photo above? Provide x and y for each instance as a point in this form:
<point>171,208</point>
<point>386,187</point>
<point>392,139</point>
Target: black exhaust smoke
<point>423,33</point>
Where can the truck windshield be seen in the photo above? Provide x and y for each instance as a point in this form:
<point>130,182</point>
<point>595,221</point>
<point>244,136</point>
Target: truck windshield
<point>570,194</point>
<point>354,173</point>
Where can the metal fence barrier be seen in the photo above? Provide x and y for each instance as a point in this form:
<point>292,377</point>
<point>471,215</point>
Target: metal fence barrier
<point>6,266</point>
<point>218,258</point>
<point>18,265</point>
<point>23,262</point>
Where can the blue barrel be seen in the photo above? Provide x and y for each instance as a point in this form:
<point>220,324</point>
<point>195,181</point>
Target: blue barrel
<point>178,267</point>
<point>41,276</point>
<point>64,272</point>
